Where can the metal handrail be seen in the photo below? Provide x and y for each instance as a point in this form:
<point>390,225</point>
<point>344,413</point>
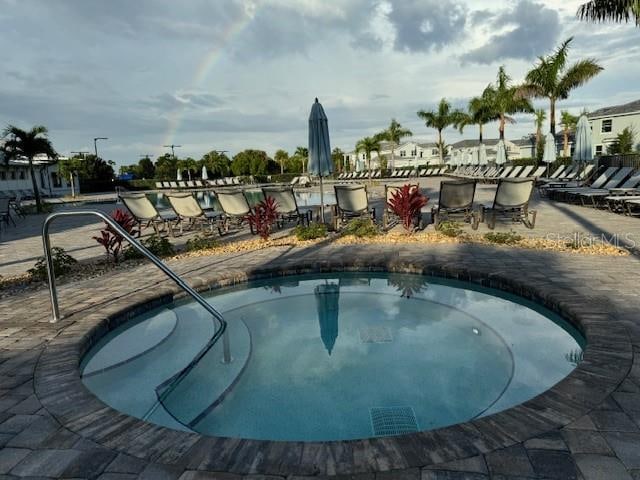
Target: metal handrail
<point>135,244</point>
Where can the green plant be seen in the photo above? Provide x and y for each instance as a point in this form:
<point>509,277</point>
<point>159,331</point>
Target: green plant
<point>263,216</point>
<point>201,242</point>
<point>505,238</point>
<point>311,231</point>
<point>112,240</point>
<point>449,228</point>
<point>32,209</point>
<point>62,263</point>
<point>159,246</point>
<point>361,227</point>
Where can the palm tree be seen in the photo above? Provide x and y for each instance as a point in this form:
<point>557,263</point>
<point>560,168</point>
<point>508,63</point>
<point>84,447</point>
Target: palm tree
<point>22,143</point>
<point>610,10</point>
<point>303,153</point>
<point>506,100</point>
<point>480,112</point>
<point>369,145</point>
<point>440,119</point>
<point>551,78</point>
<point>394,134</point>
<point>540,116</point>
<point>568,123</point>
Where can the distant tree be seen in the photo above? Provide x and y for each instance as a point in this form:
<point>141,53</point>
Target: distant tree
<point>506,100</point>
<point>539,117</point>
<point>217,164</point>
<point>338,158</point>
<point>294,164</point>
<point>253,162</point>
<point>480,111</point>
<point>281,157</point>
<point>551,78</point>
<point>129,169</point>
<point>189,166</point>
<point>539,150</point>
<point>96,169</point>
<point>394,134</point>
<point>146,168</point>
<point>440,119</point>
<point>610,10</point>
<point>70,168</point>
<point>624,143</point>
<point>166,167</point>
<point>568,123</point>
<point>368,145</point>
<point>27,144</point>
<point>303,152</point>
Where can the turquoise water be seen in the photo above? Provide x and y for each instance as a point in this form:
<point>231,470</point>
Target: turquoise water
<point>334,357</point>
<point>207,200</point>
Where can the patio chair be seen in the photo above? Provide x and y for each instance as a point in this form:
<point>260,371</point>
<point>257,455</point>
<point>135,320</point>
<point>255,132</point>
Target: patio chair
<point>189,210</point>
<point>526,171</point>
<point>287,205</point>
<point>538,172</point>
<point>558,193</point>
<point>455,201</point>
<point>512,201</point>
<point>173,184</point>
<point>143,211</point>
<point>596,197</point>
<point>5,215</point>
<point>352,201</point>
<point>388,216</point>
<point>613,182</point>
<point>515,172</point>
<point>159,185</point>
<point>235,208</point>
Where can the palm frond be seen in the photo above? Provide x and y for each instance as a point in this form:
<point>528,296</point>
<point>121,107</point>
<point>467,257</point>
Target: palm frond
<point>576,75</point>
<point>610,10</point>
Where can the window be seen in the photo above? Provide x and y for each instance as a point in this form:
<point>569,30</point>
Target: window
<point>607,126</point>
<point>434,152</point>
<point>598,149</point>
<point>364,156</point>
<point>403,153</point>
<point>414,153</point>
<point>420,153</point>
<point>55,180</point>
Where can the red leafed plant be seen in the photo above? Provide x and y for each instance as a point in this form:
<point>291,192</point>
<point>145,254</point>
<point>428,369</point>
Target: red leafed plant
<point>112,240</point>
<point>406,203</point>
<point>264,215</point>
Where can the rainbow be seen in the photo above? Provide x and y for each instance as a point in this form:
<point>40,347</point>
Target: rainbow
<point>204,69</point>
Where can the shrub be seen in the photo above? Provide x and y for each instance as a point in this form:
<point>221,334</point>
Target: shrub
<point>159,246</point>
<point>449,228</point>
<point>264,215</point>
<point>62,263</point>
<point>201,242</point>
<point>311,231</point>
<point>361,227</point>
<point>407,203</point>
<point>505,238</point>
<point>112,240</point>
<point>31,209</point>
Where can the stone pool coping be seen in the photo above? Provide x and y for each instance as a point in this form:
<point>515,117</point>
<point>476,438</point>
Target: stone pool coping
<point>606,362</point>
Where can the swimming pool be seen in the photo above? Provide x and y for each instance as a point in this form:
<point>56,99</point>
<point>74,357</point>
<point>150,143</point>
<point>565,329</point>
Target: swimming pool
<point>333,357</point>
<point>207,199</point>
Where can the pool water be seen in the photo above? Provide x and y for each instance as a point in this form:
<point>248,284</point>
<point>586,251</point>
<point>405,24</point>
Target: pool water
<point>207,199</point>
<point>334,357</point>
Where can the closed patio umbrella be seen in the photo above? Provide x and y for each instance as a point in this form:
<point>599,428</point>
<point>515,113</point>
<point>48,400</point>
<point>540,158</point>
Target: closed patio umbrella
<point>327,302</point>
<point>320,161</point>
<point>179,175</point>
<point>582,151</point>
<point>482,154</point>
<point>205,175</point>
<point>501,155</point>
<point>549,155</point>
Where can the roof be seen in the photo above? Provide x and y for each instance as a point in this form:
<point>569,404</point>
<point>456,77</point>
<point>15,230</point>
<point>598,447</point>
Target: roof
<point>627,108</point>
<point>474,143</point>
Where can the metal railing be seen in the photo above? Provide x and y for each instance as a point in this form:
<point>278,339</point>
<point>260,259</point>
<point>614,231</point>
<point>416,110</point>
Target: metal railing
<point>135,244</point>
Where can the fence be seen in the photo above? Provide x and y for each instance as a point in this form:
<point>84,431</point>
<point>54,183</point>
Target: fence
<point>628,160</point>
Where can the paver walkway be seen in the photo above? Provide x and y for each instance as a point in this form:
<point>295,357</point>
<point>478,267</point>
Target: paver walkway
<point>602,444</point>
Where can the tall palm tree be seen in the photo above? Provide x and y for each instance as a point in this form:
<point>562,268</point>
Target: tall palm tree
<point>440,119</point>
<point>369,145</point>
<point>506,100</point>
<point>480,112</point>
<point>551,78</point>
<point>394,134</point>
<point>540,116</point>
<point>568,123</point>
<point>610,10</point>
<point>302,152</point>
<point>21,143</point>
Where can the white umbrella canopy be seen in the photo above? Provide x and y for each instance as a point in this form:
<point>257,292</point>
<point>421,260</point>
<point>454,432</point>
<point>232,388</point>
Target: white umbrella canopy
<point>583,143</point>
<point>501,155</point>
<point>482,154</point>
<point>550,153</point>
<point>179,175</point>
<point>205,175</point>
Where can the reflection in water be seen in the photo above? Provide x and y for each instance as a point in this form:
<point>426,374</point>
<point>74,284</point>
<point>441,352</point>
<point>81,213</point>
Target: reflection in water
<point>407,285</point>
<point>276,286</point>
<point>574,357</point>
<point>327,302</point>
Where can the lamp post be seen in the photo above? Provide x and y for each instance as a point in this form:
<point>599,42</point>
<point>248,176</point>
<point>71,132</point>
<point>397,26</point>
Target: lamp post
<point>95,144</point>
<point>172,147</point>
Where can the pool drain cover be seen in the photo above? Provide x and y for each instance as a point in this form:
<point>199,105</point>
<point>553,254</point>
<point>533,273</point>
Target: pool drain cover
<point>376,334</point>
<point>387,421</point>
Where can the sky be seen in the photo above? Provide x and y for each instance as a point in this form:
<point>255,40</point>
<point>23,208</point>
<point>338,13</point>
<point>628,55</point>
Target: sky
<point>229,75</point>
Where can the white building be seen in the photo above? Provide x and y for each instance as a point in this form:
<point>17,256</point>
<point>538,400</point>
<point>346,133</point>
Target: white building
<point>15,180</point>
<point>406,154</point>
<point>469,149</point>
<point>607,123</point>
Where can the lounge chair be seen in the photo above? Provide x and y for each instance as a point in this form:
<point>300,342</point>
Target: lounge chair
<point>235,208</point>
<point>455,201</point>
<point>199,183</point>
<point>173,184</point>
<point>189,210</point>
<point>557,193</point>
<point>596,197</point>
<point>614,181</point>
<point>512,201</point>
<point>143,211</point>
<point>538,172</point>
<point>526,171</point>
<point>505,172</point>
<point>388,216</point>
<point>304,181</point>
<point>287,205</point>
<point>515,172</point>
<point>159,185</point>
<point>352,201</point>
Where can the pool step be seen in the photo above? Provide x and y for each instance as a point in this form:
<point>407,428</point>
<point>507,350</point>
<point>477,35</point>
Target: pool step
<point>386,421</point>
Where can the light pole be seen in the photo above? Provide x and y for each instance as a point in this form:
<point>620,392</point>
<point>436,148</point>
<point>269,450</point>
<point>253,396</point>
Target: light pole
<point>95,144</point>
<point>172,147</point>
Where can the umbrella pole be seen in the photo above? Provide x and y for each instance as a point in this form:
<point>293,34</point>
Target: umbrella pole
<point>321,201</point>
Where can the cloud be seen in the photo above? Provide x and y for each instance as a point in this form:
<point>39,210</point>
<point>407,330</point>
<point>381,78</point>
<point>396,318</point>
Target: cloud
<point>532,30</point>
<point>424,25</point>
